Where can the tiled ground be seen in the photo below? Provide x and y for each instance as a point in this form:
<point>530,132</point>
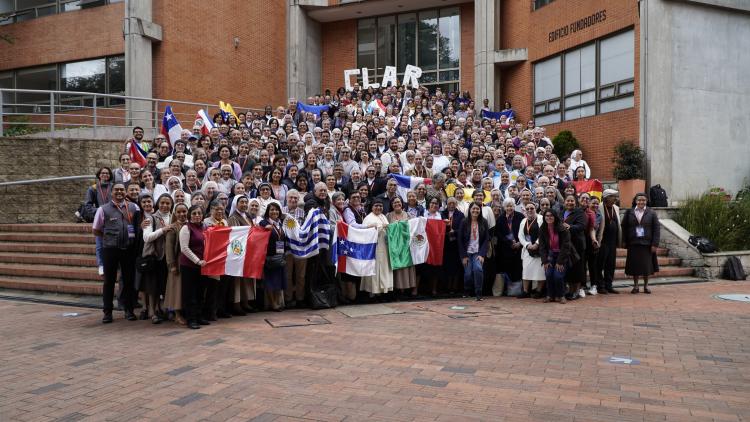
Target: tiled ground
<point>503,359</point>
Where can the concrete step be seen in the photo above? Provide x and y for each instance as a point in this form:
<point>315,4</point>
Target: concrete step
<point>664,272</point>
<point>49,248</point>
<point>47,228</point>
<point>659,252</point>
<point>47,237</point>
<point>58,273</point>
<point>74,260</point>
<point>34,284</point>
<point>664,261</point>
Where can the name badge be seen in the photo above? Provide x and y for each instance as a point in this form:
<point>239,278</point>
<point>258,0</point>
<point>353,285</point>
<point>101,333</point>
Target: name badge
<point>528,238</point>
<point>640,231</point>
<point>509,236</point>
<point>131,231</point>
<point>280,247</point>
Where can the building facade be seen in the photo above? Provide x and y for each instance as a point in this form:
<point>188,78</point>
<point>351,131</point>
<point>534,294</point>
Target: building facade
<point>567,64</point>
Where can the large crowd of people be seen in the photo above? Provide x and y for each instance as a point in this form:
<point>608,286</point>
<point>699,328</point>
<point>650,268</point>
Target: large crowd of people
<point>512,215</point>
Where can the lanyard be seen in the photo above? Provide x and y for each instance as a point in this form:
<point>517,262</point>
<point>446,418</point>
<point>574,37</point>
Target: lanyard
<point>610,214</point>
<point>509,222</point>
<point>101,192</point>
<point>474,230</point>
<point>125,213</point>
<point>529,224</point>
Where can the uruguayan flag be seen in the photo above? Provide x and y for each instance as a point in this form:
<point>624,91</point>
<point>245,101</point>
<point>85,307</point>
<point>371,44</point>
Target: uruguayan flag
<point>315,234</point>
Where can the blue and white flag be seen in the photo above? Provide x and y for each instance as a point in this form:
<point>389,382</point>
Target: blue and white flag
<point>355,250</point>
<point>498,114</point>
<point>314,234</point>
<point>316,110</point>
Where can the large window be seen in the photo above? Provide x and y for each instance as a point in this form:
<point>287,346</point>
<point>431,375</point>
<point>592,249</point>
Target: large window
<point>23,10</point>
<point>593,79</point>
<point>430,39</point>
<point>102,76</point>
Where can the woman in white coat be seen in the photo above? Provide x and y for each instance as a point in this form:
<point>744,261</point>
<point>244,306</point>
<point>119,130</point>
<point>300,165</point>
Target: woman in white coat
<point>576,160</point>
<point>528,236</point>
<point>382,281</point>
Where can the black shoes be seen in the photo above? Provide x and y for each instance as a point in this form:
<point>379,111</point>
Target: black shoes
<point>612,291</point>
<point>107,318</point>
<point>646,290</point>
<point>524,295</point>
<point>204,322</point>
<point>194,325</point>
<point>130,316</point>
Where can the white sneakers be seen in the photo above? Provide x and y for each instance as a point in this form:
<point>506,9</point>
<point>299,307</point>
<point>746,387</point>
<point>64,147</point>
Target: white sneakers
<point>581,293</point>
<point>593,291</point>
<point>101,270</point>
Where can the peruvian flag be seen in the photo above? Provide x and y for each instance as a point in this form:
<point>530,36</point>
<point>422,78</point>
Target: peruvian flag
<point>238,251</point>
<point>436,238</point>
<point>407,183</point>
<point>202,120</point>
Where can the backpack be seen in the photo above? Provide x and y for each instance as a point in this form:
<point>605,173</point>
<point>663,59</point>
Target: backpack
<point>733,269</point>
<point>703,244</point>
<point>658,196</point>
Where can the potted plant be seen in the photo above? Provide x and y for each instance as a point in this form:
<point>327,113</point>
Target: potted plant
<point>629,170</point>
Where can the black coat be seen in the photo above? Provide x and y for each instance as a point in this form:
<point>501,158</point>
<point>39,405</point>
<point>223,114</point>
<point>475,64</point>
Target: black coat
<point>568,254</point>
<point>502,229</point>
<point>577,221</point>
<point>464,233</point>
<point>650,224</point>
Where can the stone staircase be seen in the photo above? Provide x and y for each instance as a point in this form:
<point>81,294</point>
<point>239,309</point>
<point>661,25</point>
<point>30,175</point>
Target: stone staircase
<point>59,259</point>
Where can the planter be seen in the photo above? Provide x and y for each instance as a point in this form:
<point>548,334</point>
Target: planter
<point>628,189</point>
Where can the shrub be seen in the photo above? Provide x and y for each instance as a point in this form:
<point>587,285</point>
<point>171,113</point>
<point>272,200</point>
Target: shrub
<point>564,143</point>
<point>630,161</point>
<point>726,223</point>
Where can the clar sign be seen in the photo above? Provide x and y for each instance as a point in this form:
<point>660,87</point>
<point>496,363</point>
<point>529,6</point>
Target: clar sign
<point>411,77</point>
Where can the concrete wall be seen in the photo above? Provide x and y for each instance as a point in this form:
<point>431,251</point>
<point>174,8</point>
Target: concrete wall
<point>37,158</point>
<point>304,54</point>
<point>695,96</point>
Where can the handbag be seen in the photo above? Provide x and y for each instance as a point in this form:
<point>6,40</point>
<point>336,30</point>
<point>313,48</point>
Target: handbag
<point>145,264</point>
<point>515,288</point>
<point>274,262</point>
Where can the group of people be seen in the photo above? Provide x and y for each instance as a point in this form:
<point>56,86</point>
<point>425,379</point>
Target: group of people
<point>507,201</point>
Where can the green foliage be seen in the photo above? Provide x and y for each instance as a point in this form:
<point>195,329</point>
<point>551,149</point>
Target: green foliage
<point>726,223</point>
<point>19,125</point>
<point>629,161</point>
<point>564,143</point>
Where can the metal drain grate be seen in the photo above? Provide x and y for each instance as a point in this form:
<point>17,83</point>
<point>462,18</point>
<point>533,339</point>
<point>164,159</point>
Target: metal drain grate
<point>740,297</point>
<point>296,321</point>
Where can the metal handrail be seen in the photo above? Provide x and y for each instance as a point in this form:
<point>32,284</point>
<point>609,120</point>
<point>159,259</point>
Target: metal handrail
<point>50,179</point>
<point>55,110</point>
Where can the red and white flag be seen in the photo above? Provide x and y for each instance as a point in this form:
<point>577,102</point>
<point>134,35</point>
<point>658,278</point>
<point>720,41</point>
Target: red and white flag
<point>237,251</point>
<point>202,120</point>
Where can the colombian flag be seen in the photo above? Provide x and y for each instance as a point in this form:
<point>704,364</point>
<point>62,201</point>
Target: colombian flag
<point>593,187</point>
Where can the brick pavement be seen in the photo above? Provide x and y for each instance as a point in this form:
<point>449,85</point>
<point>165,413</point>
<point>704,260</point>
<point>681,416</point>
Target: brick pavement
<point>502,359</point>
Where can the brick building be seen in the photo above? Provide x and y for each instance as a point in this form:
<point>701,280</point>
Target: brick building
<point>567,64</point>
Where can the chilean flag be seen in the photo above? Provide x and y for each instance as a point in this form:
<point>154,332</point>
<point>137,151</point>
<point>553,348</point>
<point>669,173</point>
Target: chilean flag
<point>170,127</point>
<point>355,249</point>
<point>238,251</point>
<point>202,120</point>
<point>407,183</point>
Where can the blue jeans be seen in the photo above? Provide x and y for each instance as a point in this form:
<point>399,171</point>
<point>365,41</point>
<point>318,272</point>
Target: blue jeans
<point>99,251</point>
<point>473,275</point>
<point>555,278</point>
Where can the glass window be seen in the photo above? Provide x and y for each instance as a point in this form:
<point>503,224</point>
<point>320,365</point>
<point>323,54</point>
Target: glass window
<point>450,38</point>
<point>386,43</point>
<point>547,79</point>
<point>407,41</point>
<point>617,58</point>
<point>6,81</point>
<point>6,6</point>
<point>580,69</point>
<point>547,119</point>
<point>541,3</point>
<point>428,34</point>
<point>614,105</point>
<point>88,76</point>
<point>35,78</point>
<point>116,69</point>
<point>366,43</point>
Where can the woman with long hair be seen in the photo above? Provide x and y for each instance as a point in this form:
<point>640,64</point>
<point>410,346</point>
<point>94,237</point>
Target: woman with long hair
<point>191,260</point>
<point>574,220</point>
<point>557,255</point>
<point>473,236</point>
<point>274,271</point>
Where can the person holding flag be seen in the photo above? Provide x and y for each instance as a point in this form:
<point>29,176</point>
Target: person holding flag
<point>170,128</point>
<point>382,281</point>
<point>404,278</point>
<point>274,271</point>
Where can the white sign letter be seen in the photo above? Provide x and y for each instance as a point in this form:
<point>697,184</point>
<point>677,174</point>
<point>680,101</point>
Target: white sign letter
<point>348,78</point>
<point>389,76</point>
<point>366,80</point>
<point>411,75</point>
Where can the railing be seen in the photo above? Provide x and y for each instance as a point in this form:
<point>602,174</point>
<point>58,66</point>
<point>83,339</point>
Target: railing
<point>47,180</point>
<point>32,110</point>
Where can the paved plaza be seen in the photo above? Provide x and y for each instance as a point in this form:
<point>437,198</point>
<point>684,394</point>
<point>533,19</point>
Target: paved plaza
<point>679,354</point>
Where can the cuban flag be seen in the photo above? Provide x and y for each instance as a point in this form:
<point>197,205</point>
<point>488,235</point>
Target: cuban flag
<point>137,154</point>
<point>315,234</point>
<point>407,183</point>
<point>355,249</point>
<point>237,251</point>
<point>170,127</point>
<point>202,120</point>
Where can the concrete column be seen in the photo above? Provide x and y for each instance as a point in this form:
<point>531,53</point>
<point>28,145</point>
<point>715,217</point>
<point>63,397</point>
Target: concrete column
<point>485,43</point>
<point>139,32</point>
<point>304,53</point>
